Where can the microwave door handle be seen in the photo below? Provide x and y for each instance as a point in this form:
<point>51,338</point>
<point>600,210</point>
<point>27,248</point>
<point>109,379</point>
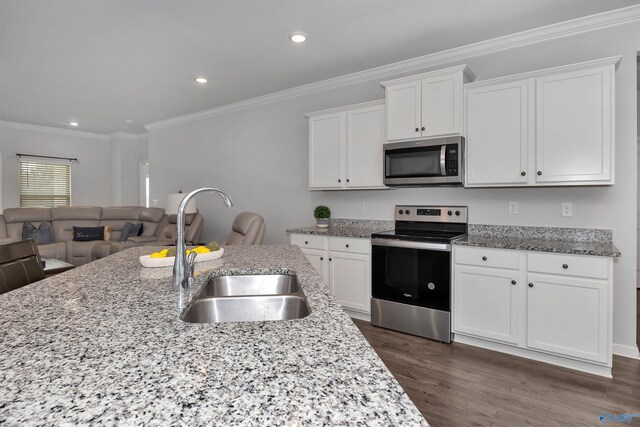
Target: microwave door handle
<point>443,160</point>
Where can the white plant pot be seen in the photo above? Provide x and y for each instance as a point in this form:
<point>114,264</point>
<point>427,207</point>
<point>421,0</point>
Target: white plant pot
<point>322,222</point>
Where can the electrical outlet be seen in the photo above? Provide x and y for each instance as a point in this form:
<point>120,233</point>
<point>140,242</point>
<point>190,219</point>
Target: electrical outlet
<point>567,209</point>
<point>155,202</point>
<point>513,208</point>
<point>361,206</point>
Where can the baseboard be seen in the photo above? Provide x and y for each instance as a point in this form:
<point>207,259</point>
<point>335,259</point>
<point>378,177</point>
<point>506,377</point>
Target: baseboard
<point>629,351</point>
<point>590,368</point>
<point>357,314</point>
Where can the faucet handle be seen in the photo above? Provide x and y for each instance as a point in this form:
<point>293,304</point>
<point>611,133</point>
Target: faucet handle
<point>191,261</point>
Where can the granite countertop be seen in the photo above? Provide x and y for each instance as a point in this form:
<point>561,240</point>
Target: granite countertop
<point>356,228</point>
<point>564,240</point>
<point>338,231</point>
<point>103,344</point>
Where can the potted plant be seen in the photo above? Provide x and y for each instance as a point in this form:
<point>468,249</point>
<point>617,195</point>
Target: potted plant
<point>322,214</point>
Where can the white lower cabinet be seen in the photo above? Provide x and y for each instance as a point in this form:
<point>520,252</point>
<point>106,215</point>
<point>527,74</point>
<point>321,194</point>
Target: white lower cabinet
<point>486,302</point>
<point>319,261</point>
<point>568,316</point>
<point>553,308</point>
<point>350,280</point>
<point>344,264</point>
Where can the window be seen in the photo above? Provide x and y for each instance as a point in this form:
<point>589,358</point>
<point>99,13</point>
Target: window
<point>44,184</point>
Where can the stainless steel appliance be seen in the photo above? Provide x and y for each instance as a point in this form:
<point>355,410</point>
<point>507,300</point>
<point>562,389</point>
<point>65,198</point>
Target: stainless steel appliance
<point>411,270</point>
<point>426,162</point>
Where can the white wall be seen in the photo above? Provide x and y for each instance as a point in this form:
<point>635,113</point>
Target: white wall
<point>259,156</point>
<point>127,151</point>
<point>90,177</point>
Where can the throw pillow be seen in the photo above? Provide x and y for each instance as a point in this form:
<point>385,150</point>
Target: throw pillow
<point>107,233</point>
<point>88,234</point>
<point>42,235</point>
<point>129,230</point>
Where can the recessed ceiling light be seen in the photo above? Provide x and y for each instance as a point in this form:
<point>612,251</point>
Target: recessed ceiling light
<point>74,124</point>
<point>129,121</point>
<point>201,80</point>
<point>298,37</point>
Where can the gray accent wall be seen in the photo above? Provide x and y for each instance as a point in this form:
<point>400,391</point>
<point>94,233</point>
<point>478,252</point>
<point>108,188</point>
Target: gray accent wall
<point>260,157</point>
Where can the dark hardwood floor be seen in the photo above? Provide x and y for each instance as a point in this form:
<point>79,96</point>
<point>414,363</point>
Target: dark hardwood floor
<point>460,385</point>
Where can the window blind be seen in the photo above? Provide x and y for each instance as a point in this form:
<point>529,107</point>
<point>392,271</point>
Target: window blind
<point>44,184</point>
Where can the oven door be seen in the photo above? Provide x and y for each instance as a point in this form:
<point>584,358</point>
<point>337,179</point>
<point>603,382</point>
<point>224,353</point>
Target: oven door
<point>414,273</point>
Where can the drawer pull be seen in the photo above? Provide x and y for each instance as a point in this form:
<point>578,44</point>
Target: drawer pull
<point>513,282</point>
<point>330,259</point>
<point>484,258</point>
<point>565,266</point>
<point>347,245</point>
<point>321,258</point>
<point>531,285</point>
<point>306,242</point>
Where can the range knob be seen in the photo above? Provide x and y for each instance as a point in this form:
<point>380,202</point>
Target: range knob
<point>407,212</point>
<point>449,213</point>
<point>457,213</point>
<point>401,212</point>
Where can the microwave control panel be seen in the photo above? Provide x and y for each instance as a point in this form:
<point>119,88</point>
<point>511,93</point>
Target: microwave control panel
<point>451,159</point>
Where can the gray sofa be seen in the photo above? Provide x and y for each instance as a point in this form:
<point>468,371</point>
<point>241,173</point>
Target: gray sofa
<point>158,229</point>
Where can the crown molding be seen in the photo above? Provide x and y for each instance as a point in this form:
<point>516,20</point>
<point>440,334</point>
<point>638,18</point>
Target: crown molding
<point>53,130</point>
<point>612,60</point>
<point>572,27</point>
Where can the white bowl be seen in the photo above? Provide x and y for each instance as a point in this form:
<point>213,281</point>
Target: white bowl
<point>147,261</point>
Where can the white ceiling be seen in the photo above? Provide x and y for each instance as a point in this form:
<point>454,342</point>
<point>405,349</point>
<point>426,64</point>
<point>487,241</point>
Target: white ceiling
<point>102,62</point>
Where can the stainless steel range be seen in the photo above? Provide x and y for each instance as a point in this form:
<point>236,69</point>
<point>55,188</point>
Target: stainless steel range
<point>411,270</point>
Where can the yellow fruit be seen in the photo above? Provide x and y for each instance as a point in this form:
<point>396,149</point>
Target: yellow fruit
<point>157,255</point>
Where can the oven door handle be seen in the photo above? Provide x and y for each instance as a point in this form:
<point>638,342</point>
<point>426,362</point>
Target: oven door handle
<point>443,160</point>
<point>393,243</point>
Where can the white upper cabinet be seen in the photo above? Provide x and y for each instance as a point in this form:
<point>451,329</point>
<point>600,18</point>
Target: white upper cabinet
<point>549,127</point>
<point>498,133</point>
<point>365,135</point>
<point>403,111</point>
<point>326,142</point>
<point>345,147</point>
<point>574,126</point>
<point>426,105</point>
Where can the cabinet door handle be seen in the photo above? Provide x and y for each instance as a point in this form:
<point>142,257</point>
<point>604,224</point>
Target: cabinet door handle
<point>347,245</point>
<point>484,258</point>
<point>330,259</point>
<point>339,180</point>
<point>417,129</point>
<point>306,242</point>
<point>565,266</point>
<point>539,172</point>
<point>321,258</point>
<point>531,285</point>
<point>348,180</point>
<point>513,282</point>
<point>523,173</point>
<point>424,128</point>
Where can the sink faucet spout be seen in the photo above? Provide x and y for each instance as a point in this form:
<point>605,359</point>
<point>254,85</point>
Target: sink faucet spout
<point>183,265</point>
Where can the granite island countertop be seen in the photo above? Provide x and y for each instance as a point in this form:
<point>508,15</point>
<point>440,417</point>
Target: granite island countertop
<point>103,344</point>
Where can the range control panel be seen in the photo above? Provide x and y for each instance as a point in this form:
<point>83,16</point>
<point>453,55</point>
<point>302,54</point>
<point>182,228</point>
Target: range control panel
<point>431,213</point>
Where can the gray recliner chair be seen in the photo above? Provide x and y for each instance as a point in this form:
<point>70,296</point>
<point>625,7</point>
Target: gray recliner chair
<point>247,229</point>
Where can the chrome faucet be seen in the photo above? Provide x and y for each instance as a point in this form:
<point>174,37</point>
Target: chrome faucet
<point>183,265</point>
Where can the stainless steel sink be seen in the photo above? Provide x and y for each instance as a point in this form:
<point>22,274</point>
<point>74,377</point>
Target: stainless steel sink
<point>248,298</point>
<point>268,284</point>
<point>247,309</point>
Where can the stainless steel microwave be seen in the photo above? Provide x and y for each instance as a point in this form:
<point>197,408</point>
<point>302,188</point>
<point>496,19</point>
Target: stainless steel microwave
<point>425,162</point>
